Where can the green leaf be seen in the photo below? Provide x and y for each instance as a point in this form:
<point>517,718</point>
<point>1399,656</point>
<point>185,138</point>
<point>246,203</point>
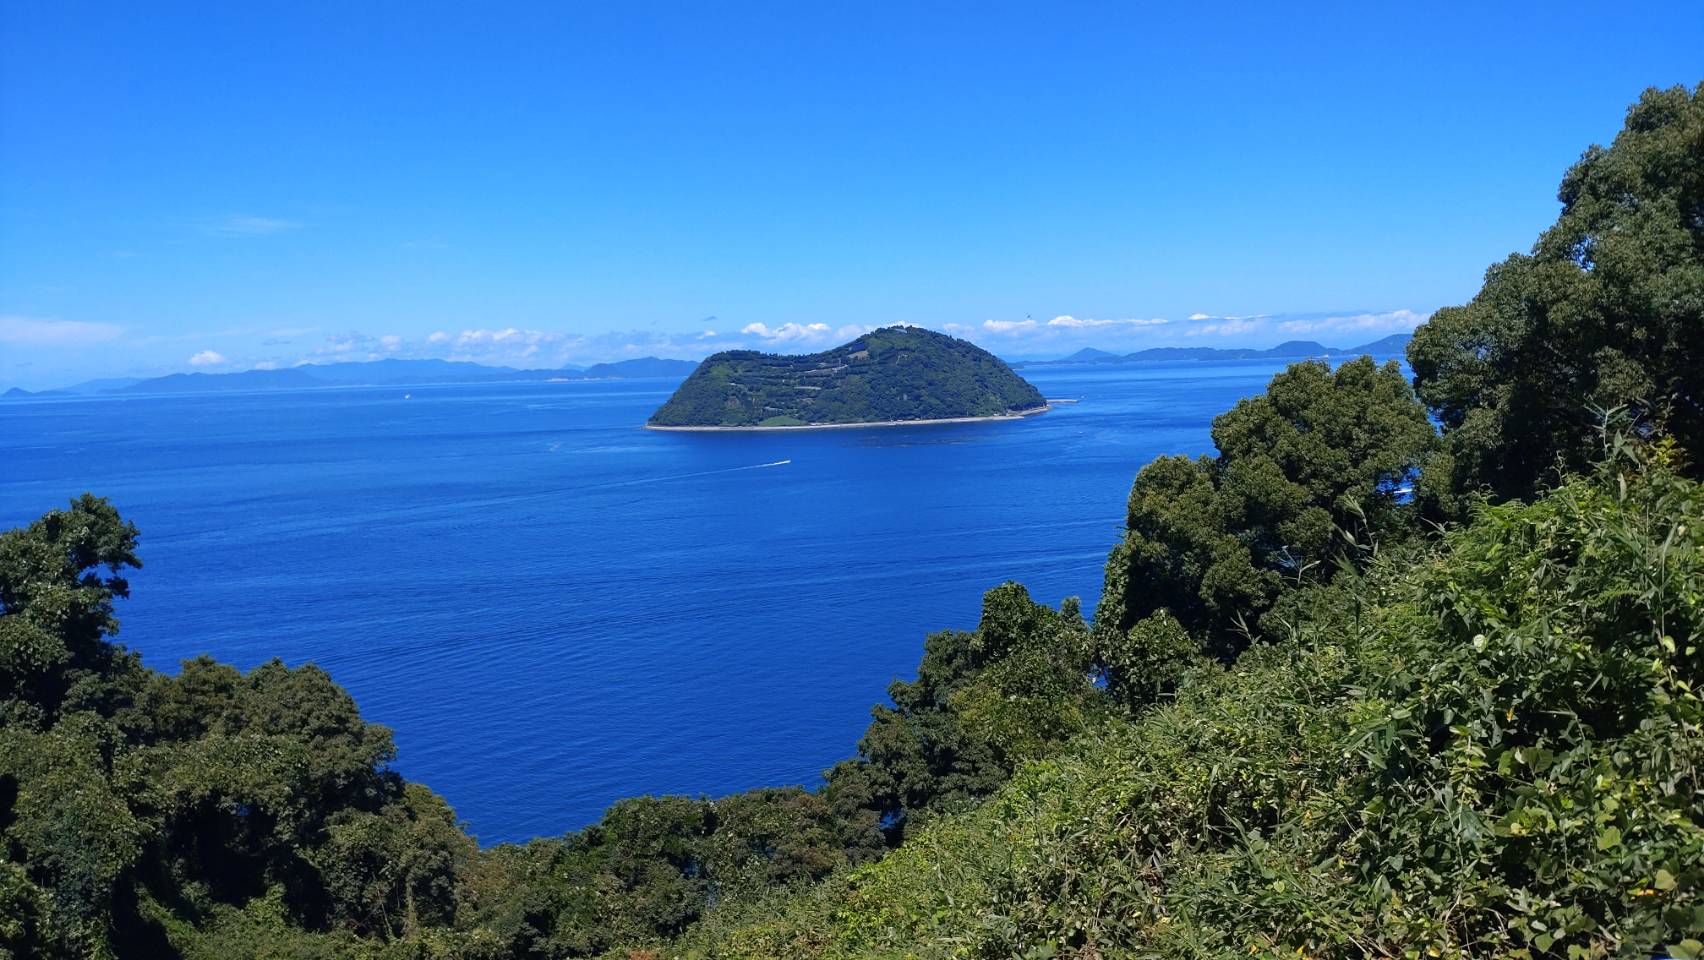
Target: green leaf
<point>1664,881</point>
<point>1609,839</point>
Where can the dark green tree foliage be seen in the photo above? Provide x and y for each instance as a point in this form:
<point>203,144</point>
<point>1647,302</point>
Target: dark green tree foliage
<point>122,790</point>
<point>896,373</point>
<point>642,865</point>
<point>396,871</point>
<point>1214,541</point>
<point>69,824</point>
<point>984,701</point>
<point>58,578</point>
<point>1147,662</point>
<point>769,838</point>
<point>649,869</point>
<point>1606,311</point>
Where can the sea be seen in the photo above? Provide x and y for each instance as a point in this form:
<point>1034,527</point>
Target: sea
<point>554,608</point>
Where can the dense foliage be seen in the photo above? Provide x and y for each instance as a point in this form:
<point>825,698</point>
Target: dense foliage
<point>982,703</point>
<point>1214,541</point>
<point>1485,747</point>
<point>1606,311</point>
<point>1353,689</point>
<point>895,373</point>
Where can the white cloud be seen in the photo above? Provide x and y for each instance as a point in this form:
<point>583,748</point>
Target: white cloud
<point>510,346</point>
<point>1226,327</point>
<point>42,332</point>
<point>508,336</point>
<point>488,336</point>
<point>342,343</point>
<point>501,346</point>
<point>1353,327</point>
<point>1078,323</point>
<point>1396,321</point>
<point>788,332</point>
<point>207,358</point>
<point>266,365</point>
<point>1062,326</point>
<point>241,225</point>
<point>1083,323</point>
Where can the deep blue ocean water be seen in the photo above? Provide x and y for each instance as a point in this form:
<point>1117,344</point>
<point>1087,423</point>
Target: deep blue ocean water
<point>555,608</point>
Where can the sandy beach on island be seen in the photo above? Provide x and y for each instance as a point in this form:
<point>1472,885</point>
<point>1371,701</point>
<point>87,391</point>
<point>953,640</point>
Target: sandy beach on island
<point>851,426</point>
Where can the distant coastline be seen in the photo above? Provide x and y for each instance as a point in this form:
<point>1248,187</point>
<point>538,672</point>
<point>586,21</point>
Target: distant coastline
<point>1394,345</point>
<point>1015,415</point>
<point>371,373</point>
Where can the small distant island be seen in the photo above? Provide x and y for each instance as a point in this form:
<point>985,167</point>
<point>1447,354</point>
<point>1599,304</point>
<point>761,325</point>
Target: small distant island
<point>895,375</point>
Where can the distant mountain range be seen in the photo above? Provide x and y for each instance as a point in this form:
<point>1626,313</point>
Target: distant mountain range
<point>372,373</point>
<point>1392,345</point>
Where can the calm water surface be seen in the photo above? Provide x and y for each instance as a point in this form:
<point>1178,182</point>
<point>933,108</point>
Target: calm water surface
<point>554,608</point>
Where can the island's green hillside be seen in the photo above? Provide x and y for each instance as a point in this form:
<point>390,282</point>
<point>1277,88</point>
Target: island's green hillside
<point>1354,689</point>
<point>896,373</point>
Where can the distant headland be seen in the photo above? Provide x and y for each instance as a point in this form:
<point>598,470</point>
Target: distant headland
<point>895,376</point>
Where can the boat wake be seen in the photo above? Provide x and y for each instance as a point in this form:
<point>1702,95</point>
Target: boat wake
<point>701,473</point>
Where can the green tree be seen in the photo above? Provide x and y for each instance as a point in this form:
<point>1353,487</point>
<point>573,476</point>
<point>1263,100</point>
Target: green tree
<point>58,579</point>
<point>1606,311</point>
<point>22,905</point>
<point>983,702</point>
<point>136,805</point>
<point>1307,475</point>
<point>68,822</point>
<point>768,838</point>
<point>398,870</point>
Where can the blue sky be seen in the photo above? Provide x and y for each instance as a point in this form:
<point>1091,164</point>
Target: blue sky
<point>221,186</point>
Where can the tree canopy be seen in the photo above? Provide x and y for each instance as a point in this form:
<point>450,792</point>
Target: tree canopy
<point>1310,473</point>
<point>983,702</point>
<point>1606,311</point>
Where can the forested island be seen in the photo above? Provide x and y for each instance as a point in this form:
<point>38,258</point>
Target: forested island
<point>892,375</point>
<point>1356,686</point>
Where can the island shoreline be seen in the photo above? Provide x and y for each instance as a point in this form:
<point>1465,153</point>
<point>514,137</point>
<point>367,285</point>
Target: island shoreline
<point>1019,415</point>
